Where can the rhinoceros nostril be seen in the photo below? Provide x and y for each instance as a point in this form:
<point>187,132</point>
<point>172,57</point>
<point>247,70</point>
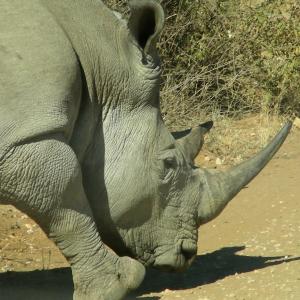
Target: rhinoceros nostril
<point>188,250</point>
<point>188,254</point>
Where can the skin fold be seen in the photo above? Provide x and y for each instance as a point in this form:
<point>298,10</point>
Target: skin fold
<point>84,150</point>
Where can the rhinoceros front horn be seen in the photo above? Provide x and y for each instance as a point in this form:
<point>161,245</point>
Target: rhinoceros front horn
<point>218,187</point>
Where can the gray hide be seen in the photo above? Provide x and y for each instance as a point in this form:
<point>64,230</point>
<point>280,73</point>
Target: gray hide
<point>84,150</point>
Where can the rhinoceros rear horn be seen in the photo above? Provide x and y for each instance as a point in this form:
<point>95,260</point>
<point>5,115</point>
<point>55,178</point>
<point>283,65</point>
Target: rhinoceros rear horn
<point>146,23</point>
<point>220,187</point>
<point>191,140</point>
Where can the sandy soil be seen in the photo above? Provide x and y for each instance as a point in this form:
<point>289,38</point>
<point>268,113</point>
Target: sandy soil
<point>251,251</point>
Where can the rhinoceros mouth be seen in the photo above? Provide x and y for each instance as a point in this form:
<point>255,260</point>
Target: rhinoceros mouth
<point>178,265</point>
<point>177,259</point>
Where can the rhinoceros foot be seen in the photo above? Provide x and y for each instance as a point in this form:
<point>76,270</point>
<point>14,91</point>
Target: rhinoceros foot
<point>128,276</point>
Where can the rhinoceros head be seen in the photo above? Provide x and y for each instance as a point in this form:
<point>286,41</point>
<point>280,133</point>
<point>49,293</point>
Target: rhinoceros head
<point>157,197</point>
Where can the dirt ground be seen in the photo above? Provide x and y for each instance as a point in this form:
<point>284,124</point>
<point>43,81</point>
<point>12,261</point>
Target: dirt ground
<point>251,251</point>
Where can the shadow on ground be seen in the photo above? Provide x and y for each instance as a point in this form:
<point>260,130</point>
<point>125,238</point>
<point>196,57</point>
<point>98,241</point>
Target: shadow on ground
<point>209,268</point>
<point>57,284</point>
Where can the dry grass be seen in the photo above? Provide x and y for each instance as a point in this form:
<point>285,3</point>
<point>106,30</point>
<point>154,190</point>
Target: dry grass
<point>235,140</point>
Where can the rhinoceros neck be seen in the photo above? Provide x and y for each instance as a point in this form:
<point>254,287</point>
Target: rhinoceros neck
<point>93,31</point>
<point>129,139</point>
<point>115,176</point>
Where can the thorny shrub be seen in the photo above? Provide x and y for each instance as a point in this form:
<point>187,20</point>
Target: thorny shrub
<point>226,59</point>
<point>229,57</point>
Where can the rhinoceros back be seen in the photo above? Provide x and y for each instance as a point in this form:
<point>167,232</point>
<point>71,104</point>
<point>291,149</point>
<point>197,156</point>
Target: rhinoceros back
<point>40,81</point>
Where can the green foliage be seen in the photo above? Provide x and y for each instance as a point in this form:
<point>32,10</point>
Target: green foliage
<point>229,56</point>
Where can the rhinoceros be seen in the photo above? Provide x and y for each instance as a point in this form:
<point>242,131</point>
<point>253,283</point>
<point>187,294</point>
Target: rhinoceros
<point>84,150</point>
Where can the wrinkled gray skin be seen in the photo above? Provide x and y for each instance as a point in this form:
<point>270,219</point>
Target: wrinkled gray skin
<point>84,150</point>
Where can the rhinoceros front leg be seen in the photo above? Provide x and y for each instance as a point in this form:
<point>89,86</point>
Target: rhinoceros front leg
<point>98,273</point>
<point>43,179</point>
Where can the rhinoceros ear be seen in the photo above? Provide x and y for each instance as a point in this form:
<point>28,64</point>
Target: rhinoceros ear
<point>146,23</point>
<point>191,140</point>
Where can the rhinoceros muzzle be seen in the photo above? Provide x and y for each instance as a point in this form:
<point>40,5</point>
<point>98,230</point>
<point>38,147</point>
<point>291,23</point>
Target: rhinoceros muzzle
<point>177,259</point>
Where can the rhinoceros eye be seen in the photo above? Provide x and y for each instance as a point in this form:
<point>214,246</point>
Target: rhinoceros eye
<point>170,165</point>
